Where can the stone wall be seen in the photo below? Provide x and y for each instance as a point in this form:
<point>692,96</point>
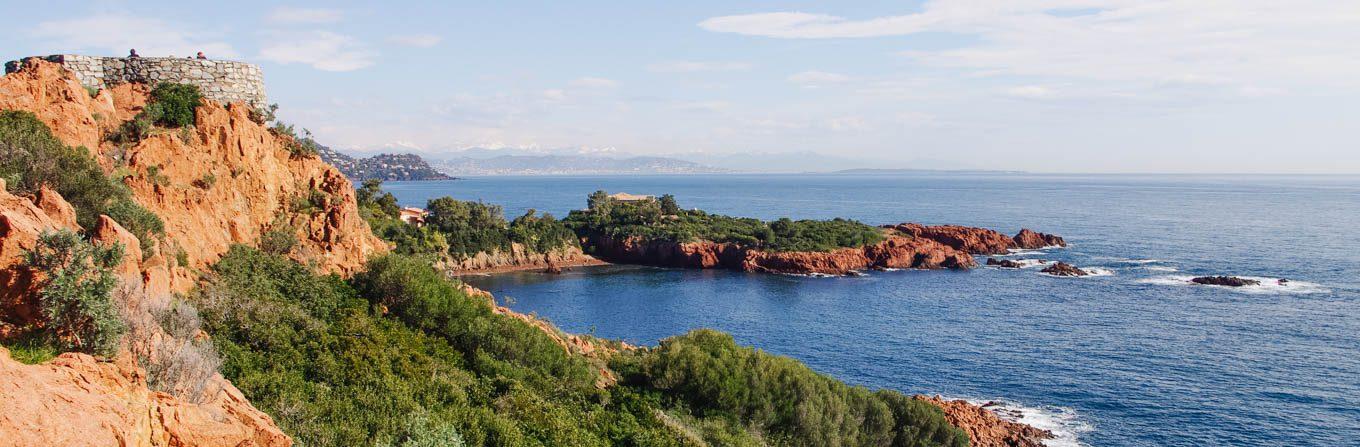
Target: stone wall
<point>222,81</point>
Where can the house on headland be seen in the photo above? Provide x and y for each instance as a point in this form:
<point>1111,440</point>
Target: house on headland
<point>626,197</point>
<point>414,216</point>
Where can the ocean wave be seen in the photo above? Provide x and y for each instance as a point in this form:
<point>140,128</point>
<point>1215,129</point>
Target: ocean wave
<point>1097,271</point>
<point>1268,286</point>
<point>1065,424</point>
<point>1160,268</point>
<point>1022,252</point>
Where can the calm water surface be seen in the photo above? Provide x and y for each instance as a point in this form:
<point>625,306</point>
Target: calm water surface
<point>1133,357</point>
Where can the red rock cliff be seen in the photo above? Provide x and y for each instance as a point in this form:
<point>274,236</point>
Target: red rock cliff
<point>979,241</point>
<point>896,251</point>
<point>226,180</point>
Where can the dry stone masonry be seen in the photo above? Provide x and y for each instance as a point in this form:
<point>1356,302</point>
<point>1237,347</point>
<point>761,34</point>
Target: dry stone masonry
<point>222,81</point>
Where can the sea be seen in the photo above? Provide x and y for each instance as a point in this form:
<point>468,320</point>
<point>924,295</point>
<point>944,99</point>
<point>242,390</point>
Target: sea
<point>1135,355</point>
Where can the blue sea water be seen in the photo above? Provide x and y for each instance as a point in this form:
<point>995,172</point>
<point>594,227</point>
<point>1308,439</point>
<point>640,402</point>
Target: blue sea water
<point>1133,357</point>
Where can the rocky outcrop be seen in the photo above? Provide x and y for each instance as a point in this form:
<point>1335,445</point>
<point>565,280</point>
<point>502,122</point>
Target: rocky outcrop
<point>984,427</point>
<point>1004,263</point>
<point>1064,269</point>
<point>519,258</point>
<point>1227,281</point>
<point>979,241</point>
<point>1029,239</point>
<point>894,252</point>
<point>75,400</point>
<point>223,181</point>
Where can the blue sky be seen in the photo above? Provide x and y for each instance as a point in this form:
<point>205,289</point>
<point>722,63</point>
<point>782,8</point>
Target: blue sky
<point>1043,85</point>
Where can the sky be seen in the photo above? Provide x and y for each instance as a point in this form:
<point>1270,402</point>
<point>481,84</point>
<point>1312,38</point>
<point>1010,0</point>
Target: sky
<point>1217,86</point>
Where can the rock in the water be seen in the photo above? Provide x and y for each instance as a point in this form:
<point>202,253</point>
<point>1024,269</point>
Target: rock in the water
<point>1030,239</point>
<point>1003,263</point>
<point>1064,269</point>
<point>1229,281</point>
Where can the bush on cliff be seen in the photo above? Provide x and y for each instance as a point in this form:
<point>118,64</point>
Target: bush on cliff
<point>31,157</point>
<point>173,105</point>
<point>706,372</point>
<point>341,363</point>
<point>459,229</point>
<point>664,220</point>
<point>75,294</point>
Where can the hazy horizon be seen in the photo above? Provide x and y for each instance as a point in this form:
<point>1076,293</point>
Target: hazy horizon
<point>1054,86</point>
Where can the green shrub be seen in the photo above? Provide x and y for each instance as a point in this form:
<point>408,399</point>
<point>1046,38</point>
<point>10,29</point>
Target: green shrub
<point>708,373</point>
<point>30,157</point>
<point>32,349</point>
<point>332,369</point>
<point>173,105</point>
<point>75,295</point>
<point>206,181</point>
<point>664,220</point>
<point>279,240</point>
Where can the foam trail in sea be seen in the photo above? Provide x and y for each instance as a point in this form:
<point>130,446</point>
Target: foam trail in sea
<point>1066,426</point>
<point>1268,286</point>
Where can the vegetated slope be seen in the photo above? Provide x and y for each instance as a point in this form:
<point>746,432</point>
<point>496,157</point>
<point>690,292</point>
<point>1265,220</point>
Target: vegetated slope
<point>224,180</point>
<point>398,354</point>
<point>468,237</point>
<point>385,167</point>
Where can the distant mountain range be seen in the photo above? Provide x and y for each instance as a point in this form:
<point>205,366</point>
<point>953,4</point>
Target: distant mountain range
<point>582,161</point>
<point>385,167</point>
<point>569,165</point>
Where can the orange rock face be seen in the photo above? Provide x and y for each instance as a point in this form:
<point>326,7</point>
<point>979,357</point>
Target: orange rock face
<point>226,180</point>
<point>979,241</point>
<point>895,252</point>
<point>985,428</point>
<point>1032,239</point>
<point>75,400</point>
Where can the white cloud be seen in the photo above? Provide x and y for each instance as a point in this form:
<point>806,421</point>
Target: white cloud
<point>416,40</point>
<point>323,50</point>
<point>292,15</point>
<point>115,34</point>
<point>702,106</point>
<point>846,124</point>
<point>1029,92</point>
<point>555,94</point>
<point>697,66</point>
<point>817,78</point>
<point>1243,42</point>
<point>590,82</point>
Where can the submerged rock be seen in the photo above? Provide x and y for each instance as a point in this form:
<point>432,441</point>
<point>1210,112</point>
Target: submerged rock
<point>1228,281</point>
<point>1064,269</point>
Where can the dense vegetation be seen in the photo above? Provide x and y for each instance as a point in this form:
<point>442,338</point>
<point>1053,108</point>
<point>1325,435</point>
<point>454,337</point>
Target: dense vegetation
<point>75,295</point>
<point>459,229</point>
<point>664,220</point>
<point>400,354</point>
<point>31,157</point>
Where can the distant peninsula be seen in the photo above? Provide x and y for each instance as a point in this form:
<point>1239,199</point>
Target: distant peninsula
<point>385,167</point>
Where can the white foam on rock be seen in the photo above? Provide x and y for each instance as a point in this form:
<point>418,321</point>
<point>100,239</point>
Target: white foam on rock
<point>1268,286</point>
<point>1066,426</point>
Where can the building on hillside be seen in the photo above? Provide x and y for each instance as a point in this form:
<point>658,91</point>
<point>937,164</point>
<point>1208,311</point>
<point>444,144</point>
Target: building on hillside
<point>414,216</point>
<point>626,197</point>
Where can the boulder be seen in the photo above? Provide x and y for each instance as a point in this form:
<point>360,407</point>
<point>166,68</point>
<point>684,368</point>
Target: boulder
<point>1003,263</point>
<point>1029,239</point>
<point>1064,269</point>
<point>1228,281</point>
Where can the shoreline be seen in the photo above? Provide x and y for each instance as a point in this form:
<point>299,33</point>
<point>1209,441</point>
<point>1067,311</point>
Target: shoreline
<point>538,267</point>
